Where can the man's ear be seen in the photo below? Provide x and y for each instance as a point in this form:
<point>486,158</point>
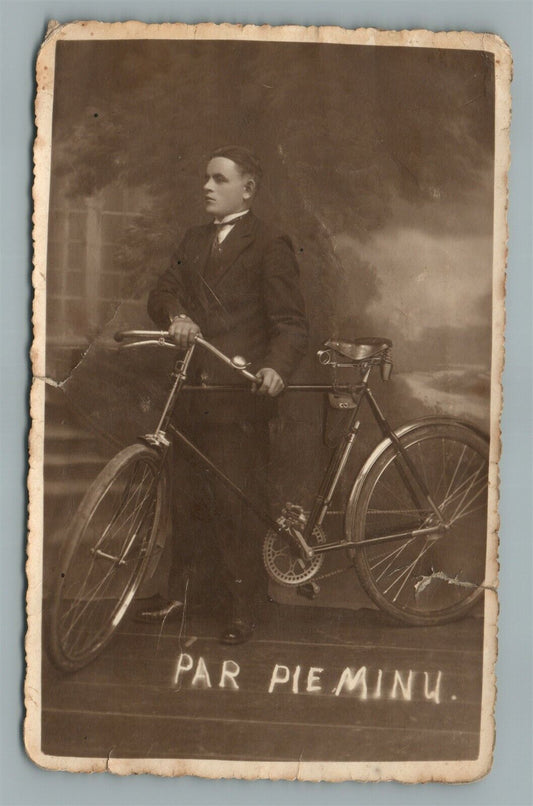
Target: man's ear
<point>249,188</point>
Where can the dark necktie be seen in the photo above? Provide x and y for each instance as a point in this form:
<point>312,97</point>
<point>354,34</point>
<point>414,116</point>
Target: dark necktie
<point>219,225</point>
<point>215,253</point>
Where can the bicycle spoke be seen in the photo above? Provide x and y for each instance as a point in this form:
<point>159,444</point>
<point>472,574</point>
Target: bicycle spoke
<point>391,492</point>
<point>73,606</point>
<point>381,558</point>
<point>88,601</point>
<point>422,465</point>
<point>134,530</point>
<point>452,480</point>
<point>444,465</point>
<point>83,595</point>
<point>408,571</point>
<point>459,490</point>
<point>479,508</point>
<point>394,556</point>
<point>452,493</point>
<point>120,508</point>
<point>470,482</point>
<point>465,511</point>
<point>129,518</point>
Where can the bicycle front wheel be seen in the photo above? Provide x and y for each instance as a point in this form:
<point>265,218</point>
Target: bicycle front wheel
<point>110,542</point>
<point>426,578</point>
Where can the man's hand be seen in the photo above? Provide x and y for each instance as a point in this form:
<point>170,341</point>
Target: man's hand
<point>268,382</point>
<point>183,330</point>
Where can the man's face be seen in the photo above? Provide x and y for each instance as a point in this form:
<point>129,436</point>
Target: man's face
<point>226,190</point>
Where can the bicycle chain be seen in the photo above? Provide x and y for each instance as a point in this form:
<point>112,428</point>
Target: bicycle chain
<point>334,573</point>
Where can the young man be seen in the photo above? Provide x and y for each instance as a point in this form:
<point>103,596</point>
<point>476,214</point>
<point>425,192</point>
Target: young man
<point>236,281</point>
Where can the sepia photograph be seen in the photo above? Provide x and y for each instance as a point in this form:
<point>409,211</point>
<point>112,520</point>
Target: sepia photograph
<point>268,343</point>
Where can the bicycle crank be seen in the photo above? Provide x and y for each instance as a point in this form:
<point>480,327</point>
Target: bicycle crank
<point>283,559</point>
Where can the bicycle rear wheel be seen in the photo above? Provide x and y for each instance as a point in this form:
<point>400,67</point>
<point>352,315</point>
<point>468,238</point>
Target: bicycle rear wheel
<point>109,545</point>
<point>425,579</point>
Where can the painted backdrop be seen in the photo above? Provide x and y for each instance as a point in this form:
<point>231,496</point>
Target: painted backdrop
<point>378,164</point>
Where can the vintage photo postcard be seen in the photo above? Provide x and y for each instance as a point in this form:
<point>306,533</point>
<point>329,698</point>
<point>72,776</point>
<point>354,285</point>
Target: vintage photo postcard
<point>268,344</point>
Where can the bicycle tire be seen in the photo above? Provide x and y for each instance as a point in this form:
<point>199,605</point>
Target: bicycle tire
<point>424,580</point>
<point>107,551</point>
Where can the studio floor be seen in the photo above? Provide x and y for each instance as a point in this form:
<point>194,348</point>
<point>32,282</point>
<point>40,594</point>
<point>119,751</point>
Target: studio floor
<point>313,684</point>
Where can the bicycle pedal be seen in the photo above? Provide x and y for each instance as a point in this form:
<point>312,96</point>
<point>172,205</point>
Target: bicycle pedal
<point>309,591</point>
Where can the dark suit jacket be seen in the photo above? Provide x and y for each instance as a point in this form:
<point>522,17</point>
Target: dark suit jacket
<point>253,307</point>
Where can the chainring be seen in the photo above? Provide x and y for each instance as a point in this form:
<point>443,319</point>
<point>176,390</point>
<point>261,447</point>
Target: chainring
<point>284,562</point>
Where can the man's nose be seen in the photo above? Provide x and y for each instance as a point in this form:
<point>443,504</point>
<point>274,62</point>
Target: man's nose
<point>208,184</point>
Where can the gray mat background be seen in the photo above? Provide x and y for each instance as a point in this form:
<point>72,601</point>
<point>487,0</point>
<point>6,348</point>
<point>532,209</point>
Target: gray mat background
<point>21,783</point>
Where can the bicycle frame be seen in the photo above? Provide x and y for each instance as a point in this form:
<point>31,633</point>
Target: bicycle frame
<point>120,524</point>
<point>359,392</point>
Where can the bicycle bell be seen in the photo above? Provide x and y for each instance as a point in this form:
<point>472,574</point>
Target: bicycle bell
<point>239,362</point>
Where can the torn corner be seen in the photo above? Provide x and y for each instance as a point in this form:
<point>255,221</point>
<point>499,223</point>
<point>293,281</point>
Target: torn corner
<point>51,28</point>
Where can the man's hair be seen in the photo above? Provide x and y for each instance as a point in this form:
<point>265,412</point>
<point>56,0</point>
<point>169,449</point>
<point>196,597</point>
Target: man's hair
<point>243,158</point>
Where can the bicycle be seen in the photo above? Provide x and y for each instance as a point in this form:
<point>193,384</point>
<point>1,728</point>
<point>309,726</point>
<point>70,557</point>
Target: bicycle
<point>414,522</point>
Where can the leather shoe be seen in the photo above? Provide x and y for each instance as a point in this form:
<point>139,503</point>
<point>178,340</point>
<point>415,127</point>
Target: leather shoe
<point>238,632</point>
<point>171,611</point>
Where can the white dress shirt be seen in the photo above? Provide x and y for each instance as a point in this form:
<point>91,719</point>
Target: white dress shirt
<point>223,232</point>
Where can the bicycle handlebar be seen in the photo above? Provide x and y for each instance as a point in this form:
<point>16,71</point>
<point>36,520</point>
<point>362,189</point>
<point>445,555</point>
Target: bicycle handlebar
<point>162,338</point>
<point>121,335</point>
<point>238,363</point>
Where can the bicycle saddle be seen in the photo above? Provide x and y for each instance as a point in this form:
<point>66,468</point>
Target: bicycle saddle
<point>359,349</point>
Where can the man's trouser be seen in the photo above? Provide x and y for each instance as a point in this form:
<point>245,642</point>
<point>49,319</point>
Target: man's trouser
<point>217,540</point>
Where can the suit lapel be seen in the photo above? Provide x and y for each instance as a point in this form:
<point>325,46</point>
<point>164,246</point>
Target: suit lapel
<point>240,237</point>
<point>200,253</point>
